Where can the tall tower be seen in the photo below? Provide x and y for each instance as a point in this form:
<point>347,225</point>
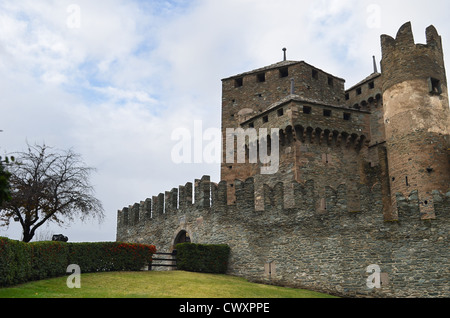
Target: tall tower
<point>416,116</point>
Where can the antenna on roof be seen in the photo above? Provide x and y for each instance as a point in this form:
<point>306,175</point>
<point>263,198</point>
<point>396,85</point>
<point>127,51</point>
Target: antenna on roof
<point>284,53</point>
<point>375,69</point>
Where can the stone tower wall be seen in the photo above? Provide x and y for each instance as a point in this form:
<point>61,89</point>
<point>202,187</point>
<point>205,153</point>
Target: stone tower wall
<point>416,115</point>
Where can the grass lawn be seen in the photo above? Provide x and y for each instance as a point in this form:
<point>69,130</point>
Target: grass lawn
<point>151,284</point>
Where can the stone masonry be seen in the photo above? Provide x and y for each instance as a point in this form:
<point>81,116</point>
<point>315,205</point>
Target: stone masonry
<point>362,183</point>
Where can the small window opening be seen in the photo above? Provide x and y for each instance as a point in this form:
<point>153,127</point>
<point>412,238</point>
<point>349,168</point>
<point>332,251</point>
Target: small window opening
<point>327,113</point>
<point>265,119</point>
<point>358,91</point>
<point>261,78</point>
<point>284,72</point>
<point>315,74</point>
<point>238,82</point>
<point>251,125</point>
<point>435,86</point>
<point>407,184</point>
<point>347,116</point>
<point>371,85</point>
<point>280,112</point>
<point>330,81</point>
<point>306,110</point>
<point>347,96</point>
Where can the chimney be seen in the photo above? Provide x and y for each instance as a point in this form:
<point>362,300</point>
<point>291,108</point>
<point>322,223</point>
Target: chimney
<point>375,69</point>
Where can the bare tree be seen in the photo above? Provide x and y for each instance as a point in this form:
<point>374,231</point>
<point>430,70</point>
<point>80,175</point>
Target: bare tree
<point>48,185</point>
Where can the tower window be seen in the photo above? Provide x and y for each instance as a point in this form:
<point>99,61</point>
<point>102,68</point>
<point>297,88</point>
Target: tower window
<point>347,96</point>
<point>261,78</point>
<point>251,125</point>
<point>327,113</point>
<point>434,86</point>
<point>265,119</point>
<point>238,82</point>
<point>347,116</point>
<point>330,81</point>
<point>306,110</point>
<point>280,112</point>
<point>284,72</point>
<point>371,85</point>
<point>358,91</point>
<point>315,74</point>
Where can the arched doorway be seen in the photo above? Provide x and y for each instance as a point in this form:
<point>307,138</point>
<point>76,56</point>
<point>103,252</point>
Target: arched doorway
<point>182,237</point>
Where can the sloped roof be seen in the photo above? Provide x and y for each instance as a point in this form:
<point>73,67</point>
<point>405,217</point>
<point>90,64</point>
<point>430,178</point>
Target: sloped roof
<point>266,68</point>
<point>367,79</point>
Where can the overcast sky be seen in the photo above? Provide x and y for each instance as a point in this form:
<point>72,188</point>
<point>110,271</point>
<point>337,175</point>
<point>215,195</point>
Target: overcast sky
<point>113,79</point>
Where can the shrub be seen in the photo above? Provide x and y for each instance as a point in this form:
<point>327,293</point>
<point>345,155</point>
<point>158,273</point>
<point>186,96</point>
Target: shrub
<point>21,262</point>
<point>48,259</point>
<point>202,258</point>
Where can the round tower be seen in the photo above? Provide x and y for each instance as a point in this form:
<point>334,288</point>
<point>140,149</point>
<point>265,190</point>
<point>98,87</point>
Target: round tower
<point>416,117</point>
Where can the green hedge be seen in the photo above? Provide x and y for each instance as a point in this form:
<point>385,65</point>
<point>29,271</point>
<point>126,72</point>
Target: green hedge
<point>203,258</point>
<point>21,262</point>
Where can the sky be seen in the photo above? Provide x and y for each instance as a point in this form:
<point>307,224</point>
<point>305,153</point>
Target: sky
<point>113,79</point>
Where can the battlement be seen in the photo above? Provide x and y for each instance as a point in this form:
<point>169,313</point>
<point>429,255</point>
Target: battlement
<point>303,120</point>
<point>404,40</point>
<point>205,197</point>
<point>403,59</point>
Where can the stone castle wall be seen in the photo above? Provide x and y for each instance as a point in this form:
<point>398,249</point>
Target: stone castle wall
<point>327,251</point>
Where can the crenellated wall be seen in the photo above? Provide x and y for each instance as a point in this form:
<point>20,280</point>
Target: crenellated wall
<point>326,250</point>
<point>362,181</point>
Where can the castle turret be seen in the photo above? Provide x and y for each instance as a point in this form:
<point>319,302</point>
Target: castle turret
<point>416,116</point>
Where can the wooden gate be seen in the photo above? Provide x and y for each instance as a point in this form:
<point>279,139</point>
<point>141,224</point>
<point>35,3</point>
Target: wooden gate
<point>164,261</point>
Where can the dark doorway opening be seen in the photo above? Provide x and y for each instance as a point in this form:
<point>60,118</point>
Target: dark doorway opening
<point>182,237</point>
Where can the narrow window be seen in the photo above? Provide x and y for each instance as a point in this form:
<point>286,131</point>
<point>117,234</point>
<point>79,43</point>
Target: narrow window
<point>265,119</point>
<point>347,96</point>
<point>327,113</point>
<point>306,110</point>
<point>407,184</point>
<point>330,81</point>
<point>315,74</point>
<point>347,116</point>
<point>251,125</point>
<point>284,72</point>
<point>280,112</point>
<point>434,86</point>
<point>371,85</point>
<point>261,78</point>
<point>238,82</point>
<point>358,91</point>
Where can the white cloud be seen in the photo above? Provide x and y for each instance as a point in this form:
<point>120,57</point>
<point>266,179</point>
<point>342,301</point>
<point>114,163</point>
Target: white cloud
<point>115,85</point>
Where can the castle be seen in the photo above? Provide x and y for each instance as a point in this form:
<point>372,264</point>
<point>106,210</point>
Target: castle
<point>363,179</point>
